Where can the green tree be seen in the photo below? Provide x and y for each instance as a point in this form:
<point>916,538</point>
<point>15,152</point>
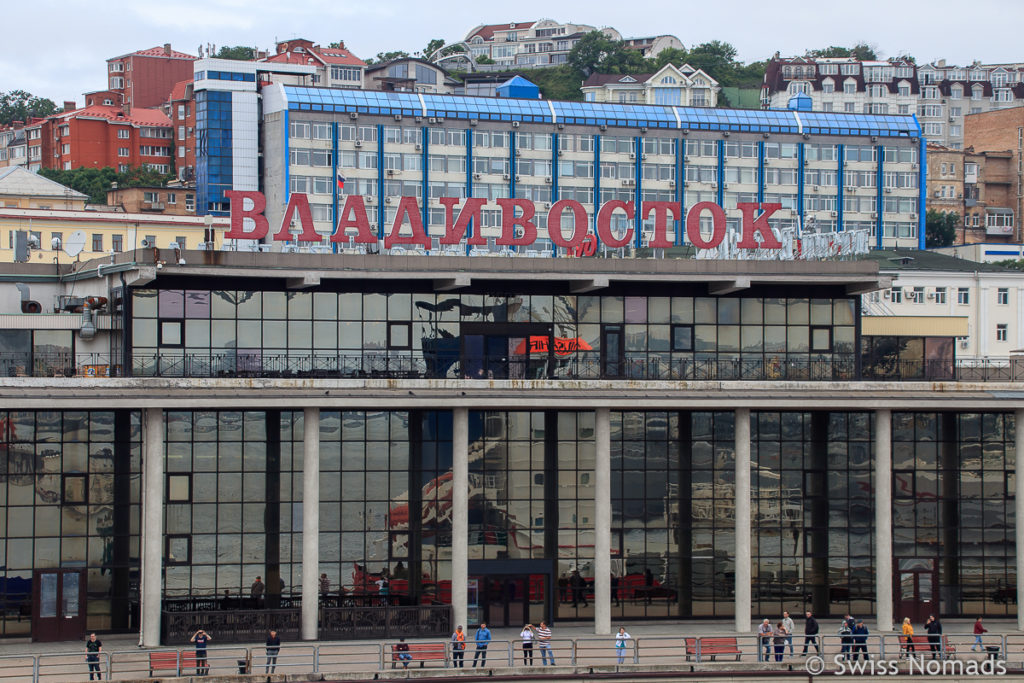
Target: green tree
<point>18,105</point>
<point>432,47</point>
<point>864,52</point>
<point>557,82</point>
<point>239,52</point>
<point>1013,264</point>
<point>96,181</point>
<point>861,51</point>
<point>597,53</point>
<point>483,59</point>
<point>383,57</point>
<point>940,228</point>
<point>670,55</point>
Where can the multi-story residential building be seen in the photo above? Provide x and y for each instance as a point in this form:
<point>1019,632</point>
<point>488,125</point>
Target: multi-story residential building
<point>145,78</point>
<point>988,189</point>
<point>409,74</point>
<point>173,200</point>
<point>393,145</point>
<point>993,133</point>
<point>99,136</point>
<point>671,85</point>
<point>542,43</point>
<point>182,110</point>
<point>936,296</point>
<point>227,95</point>
<point>336,67</point>
<point>940,95</point>
<point>945,190</point>
<point>13,145</point>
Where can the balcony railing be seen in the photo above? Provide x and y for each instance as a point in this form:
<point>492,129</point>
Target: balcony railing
<point>444,364</point>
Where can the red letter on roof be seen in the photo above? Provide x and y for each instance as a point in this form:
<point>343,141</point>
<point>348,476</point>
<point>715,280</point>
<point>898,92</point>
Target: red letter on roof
<point>239,213</point>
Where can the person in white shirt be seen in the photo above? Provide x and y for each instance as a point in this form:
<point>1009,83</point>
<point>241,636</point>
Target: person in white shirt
<point>527,635</point>
<point>544,643</point>
<point>621,641</point>
<point>787,623</point>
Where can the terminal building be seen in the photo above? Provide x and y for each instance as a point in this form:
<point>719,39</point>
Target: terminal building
<point>501,439</point>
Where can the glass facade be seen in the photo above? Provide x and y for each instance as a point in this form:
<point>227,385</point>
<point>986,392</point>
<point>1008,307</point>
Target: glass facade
<point>214,152</point>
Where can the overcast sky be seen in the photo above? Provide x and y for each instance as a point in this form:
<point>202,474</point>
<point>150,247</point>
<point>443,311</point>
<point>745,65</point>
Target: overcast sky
<point>58,49</point>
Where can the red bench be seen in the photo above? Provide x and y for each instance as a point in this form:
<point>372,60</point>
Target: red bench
<point>712,647</point>
<point>420,652</point>
<point>922,647</point>
<point>160,661</point>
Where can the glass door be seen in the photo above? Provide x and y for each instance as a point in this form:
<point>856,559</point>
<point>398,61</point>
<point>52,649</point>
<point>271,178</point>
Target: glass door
<point>58,604</point>
<point>916,589</point>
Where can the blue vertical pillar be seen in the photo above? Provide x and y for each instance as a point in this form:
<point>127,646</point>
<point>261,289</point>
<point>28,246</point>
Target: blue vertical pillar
<point>334,181</point>
<point>800,164</point>
<point>638,196</point>
<point>680,195</point>
<point>469,182</point>
<point>922,190</point>
<point>512,168</point>
<point>840,179</point>
<point>554,181</point>
<point>597,186</point>
<point>879,198</point>
<point>760,172</point>
<point>425,146</point>
<point>380,181</point>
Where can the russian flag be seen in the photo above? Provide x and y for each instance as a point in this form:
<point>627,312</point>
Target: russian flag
<point>341,182</point>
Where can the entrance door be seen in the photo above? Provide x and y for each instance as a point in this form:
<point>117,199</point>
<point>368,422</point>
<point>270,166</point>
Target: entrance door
<point>612,352</point>
<point>58,604</point>
<point>506,351</point>
<point>917,585</point>
<point>511,600</point>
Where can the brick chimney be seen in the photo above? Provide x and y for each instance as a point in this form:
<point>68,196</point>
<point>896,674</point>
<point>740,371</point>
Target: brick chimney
<point>167,49</point>
<point>69,105</point>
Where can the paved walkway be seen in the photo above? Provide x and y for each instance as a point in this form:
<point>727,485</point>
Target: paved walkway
<point>563,630</point>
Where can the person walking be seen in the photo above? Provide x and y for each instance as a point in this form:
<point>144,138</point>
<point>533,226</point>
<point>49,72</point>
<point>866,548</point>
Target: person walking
<point>256,591</point>
<point>621,640</point>
<point>845,638</point>
<point>527,635</point>
<point>273,648</point>
<point>860,640</point>
<point>201,638</point>
<point>790,627</point>
<point>458,647</point>
<point>779,636</point>
<point>811,633</point>
<point>483,639</point>
<point>93,648</point>
<point>402,648</point>
<point>978,631</point>
<point>544,643</point>
<point>765,632</point>
<point>934,628</point>
<point>908,637</point>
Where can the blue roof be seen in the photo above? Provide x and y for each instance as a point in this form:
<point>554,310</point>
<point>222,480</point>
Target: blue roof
<point>598,114</point>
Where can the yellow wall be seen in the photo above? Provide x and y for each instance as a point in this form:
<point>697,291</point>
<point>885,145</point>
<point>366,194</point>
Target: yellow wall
<point>132,228</point>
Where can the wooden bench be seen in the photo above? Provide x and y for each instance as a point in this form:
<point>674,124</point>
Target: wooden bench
<point>712,647</point>
<point>160,661</point>
<point>922,647</point>
<point>420,652</point>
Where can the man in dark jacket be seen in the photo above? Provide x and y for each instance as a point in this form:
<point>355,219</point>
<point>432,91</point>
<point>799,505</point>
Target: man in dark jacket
<point>811,633</point>
<point>934,628</point>
<point>860,640</point>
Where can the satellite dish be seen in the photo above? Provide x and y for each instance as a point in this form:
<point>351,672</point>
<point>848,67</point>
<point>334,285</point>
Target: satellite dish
<point>75,243</point>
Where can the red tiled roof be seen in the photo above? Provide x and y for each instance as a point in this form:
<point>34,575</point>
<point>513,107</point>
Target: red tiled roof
<point>337,55</point>
<point>139,117</point>
<point>178,91</point>
<point>159,52</point>
<point>327,55</point>
<point>487,32</point>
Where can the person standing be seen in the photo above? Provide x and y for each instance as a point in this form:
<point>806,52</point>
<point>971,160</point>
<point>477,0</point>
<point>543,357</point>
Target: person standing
<point>934,628</point>
<point>787,623</point>
<point>908,637</point>
<point>860,640</point>
<point>458,647</point>
<point>779,636</point>
<point>615,589</point>
<point>201,638</point>
<point>256,592</point>
<point>325,584</point>
<point>273,648</point>
<point>978,631</point>
<point>811,633</point>
<point>544,643</point>
<point>527,635</point>
<point>578,586</point>
<point>621,640</point>
<point>483,639</point>
<point>94,647</point>
<point>846,638</point>
<point>765,631</point>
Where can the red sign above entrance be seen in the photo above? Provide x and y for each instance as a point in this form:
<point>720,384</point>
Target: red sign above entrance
<point>517,225</point>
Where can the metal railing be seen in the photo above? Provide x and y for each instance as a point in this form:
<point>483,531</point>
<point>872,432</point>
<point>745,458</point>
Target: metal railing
<point>709,652</point>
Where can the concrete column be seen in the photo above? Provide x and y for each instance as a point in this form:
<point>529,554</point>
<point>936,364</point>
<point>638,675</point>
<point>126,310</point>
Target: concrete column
<point>1018,441</point>
<point>460,514</point>
<point>743,559</point>
<point>152,560</point>
<point>883,520</point>
<point>310,523</point>
<point>602,522</point>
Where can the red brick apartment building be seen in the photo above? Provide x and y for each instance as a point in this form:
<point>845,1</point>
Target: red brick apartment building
<point>145,78</point>
<point>998,131</point>
<point>182,110</point>
<point>98,136</point>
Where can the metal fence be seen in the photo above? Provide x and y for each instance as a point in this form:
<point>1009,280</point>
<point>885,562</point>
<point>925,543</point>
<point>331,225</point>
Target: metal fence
<point>680,652</point>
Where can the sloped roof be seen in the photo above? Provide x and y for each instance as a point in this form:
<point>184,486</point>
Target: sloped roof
<point>138,117</point>
<point>924,260</point>
<point>15,180</point>
<point>178,92</point>
<point>605,79</point>
<point>157,52</point>
<point>326,55</point>
<point>487,31</point>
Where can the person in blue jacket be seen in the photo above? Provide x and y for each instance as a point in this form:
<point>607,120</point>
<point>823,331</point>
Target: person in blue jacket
<point>483,638</point>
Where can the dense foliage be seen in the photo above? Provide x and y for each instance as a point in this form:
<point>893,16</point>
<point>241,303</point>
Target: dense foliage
<point>940,228</point>
<point>96,181</point>
<point>18,105</point>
